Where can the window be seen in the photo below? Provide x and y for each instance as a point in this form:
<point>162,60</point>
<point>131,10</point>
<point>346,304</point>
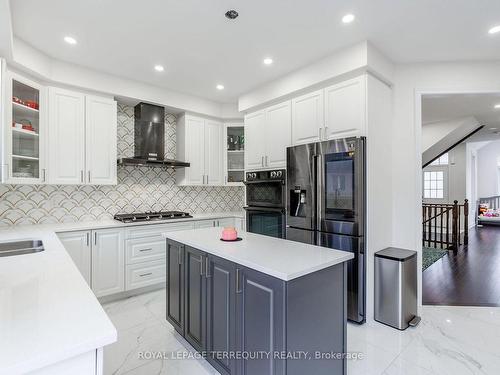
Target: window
<point>434,185</point>
<point>442,160</point>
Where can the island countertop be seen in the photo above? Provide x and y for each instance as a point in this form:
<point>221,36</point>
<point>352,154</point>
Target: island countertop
<point>277,257</point>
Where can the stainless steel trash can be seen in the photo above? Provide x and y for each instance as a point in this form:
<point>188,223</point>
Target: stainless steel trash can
<point>396,287</point>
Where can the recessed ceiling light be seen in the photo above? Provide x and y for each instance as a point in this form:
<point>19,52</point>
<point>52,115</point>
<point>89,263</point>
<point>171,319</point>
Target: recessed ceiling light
<point>348,18</point>
<point>159,68</point>
<point>231,14</point>
<point>268,61</point>
<point>494,29</point>
<point>220,87</point>
<point>497,106</point>
<point>70,40</point>
<point>493,128</point>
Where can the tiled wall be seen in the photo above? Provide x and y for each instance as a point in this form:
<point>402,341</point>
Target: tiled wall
<point>138,189</point>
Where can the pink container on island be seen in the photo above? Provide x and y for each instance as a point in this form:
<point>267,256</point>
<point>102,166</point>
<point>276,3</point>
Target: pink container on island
<point>229,234</point>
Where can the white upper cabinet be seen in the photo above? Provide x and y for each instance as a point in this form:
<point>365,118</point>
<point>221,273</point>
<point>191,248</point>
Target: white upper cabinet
<point>199,142</point>
<point>267,135</point>
<point>101,140</point>
<point>82,139</point>
<point>255,146</point>
<point>308,118</point>
<point>25,132</point>
<point>213,153</point>
<point>234,154</point>
<point>194,150</point>
<point>66,149</point>
<point>278,134</point>
<point>345,109</point>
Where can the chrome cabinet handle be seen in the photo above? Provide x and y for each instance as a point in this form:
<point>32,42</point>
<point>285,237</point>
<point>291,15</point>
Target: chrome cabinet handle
<point>95,238</point>
<point>180,255</point>
<point>81,176</point>
<point>89,176</point>
<point>267,162</point>
<point>262,161</point>
<point>207,268</point>
<point>319,133</point>
<point>43,173</point>
<point>207,179</point>
<point>148,249</point>
<point>238,281</point>
<point>325,132</point>
<point>201,266</point>
<point>146,274</point>
<point>225,177</point>
<point>88,239</point>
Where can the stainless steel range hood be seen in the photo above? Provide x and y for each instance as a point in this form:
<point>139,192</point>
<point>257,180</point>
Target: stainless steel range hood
<point>149,138</point>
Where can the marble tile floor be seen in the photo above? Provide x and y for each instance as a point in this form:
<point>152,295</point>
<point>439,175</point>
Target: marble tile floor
<point>449,340</point>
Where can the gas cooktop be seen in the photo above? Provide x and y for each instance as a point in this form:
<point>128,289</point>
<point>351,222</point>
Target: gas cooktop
<point>151,216</point>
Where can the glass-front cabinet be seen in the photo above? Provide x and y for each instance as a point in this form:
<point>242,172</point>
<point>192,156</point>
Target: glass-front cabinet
<point>234,156</point>
<point>24,151</point>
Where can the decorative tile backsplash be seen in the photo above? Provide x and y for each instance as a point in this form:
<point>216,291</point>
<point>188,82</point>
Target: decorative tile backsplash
<point>138,189</point>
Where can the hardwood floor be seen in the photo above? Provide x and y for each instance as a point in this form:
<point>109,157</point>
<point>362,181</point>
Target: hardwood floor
<point>469,276</point>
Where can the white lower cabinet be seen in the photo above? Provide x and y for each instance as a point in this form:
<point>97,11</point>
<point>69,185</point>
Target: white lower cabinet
<point>123,259</point>
<point>108,262</point>
<point>224,222</point>
<point>77,244</point>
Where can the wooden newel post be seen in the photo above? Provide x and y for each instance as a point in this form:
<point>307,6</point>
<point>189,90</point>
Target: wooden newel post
<point>454,226</point>
<point>466,222</point>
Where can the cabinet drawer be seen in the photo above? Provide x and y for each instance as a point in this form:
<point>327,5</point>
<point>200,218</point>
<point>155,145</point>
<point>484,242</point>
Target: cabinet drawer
<point>156,230</point>
<point>145,274</point>
<point>225,222</point>
<point>145,249</point>
<point>204,224</point>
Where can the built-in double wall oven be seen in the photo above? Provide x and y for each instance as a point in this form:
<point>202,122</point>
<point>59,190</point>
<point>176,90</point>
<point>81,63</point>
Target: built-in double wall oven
<point>266,202</point>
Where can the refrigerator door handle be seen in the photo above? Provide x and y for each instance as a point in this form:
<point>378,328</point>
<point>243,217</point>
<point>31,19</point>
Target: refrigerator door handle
<point>319,197</point>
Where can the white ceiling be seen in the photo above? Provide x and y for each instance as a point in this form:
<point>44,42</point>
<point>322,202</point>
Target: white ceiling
<point>200,48</point>
<point>438,108</point>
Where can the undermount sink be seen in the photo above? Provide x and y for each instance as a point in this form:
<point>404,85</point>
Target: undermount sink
<point>8,249</point>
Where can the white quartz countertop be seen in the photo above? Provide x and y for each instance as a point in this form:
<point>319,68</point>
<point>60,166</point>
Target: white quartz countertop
<point>111,223</point>
<point>280,258</point>
<point>48,313</point>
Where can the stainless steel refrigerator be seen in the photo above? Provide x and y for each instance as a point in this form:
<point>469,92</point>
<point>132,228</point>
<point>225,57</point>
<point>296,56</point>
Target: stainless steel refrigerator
<point>326,194</point>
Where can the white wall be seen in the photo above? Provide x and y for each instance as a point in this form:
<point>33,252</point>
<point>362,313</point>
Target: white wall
<point>411,80</point>
<point>435,131</point>
<point>457,173</point>
<point>488,158</point>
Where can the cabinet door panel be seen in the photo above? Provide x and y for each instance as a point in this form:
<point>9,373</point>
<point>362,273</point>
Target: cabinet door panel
<point>77,244</point>
<point>255,147</point>
<point>307,118</point>
<point>175,285</point>
<point>345,108</point>
<point>221,312</point>
<point>195,150</point>
<point>261,319</point>
<point>278,134</point>
<point>195,298</point>
<point>108,262</point>
<point>101,146</point>
<point>213,152</point>
<point>66,137</point>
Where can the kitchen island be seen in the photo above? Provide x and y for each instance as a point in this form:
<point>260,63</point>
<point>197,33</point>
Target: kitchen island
<point>261,305</point>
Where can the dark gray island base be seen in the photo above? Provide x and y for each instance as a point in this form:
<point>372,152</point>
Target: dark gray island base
<point>249,322</point>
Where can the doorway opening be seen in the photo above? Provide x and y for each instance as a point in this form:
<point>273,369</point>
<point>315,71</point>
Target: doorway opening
<point>461,199</point>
